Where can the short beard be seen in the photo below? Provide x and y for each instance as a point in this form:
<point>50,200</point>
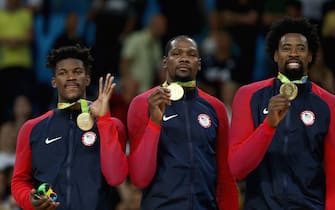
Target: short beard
<point>294,74</point>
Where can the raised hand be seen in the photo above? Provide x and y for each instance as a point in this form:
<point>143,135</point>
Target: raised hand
<point>101,105</point>
<point>157,101</point>
<point>277,107</point>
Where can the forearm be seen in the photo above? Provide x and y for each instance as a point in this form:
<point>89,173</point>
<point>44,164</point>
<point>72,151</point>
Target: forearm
<point>114,163</point>
<point>245,156</point>
<point>143,160</point>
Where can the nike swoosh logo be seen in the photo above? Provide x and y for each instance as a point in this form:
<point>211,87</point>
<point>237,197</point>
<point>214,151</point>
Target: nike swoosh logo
<point>165,118</point>
<point>265,110</point>
<point>48,141</point>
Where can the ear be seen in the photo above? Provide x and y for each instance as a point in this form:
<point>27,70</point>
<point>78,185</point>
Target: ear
<point>199,61</point>
<point>275,56</point>
<point>164,63</point>
<point>53,82</point>
<point>88,80</point>
<point>310,57</point>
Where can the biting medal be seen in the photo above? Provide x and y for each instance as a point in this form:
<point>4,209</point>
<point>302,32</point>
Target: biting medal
<point>85,121</point>
<point>176,91</point>
<point>290,90</point>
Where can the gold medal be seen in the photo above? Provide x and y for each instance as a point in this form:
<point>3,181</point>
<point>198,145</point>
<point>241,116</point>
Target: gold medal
<point>85,121</point>
<point>176,91</point>
<point>290,90</point>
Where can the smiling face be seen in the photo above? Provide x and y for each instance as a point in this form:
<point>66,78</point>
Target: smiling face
<point>183,61</point>
<point>292,56</point>
<point>71,80</point>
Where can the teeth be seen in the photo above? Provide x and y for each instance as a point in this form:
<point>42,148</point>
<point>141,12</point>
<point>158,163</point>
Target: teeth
<point>293,65</point>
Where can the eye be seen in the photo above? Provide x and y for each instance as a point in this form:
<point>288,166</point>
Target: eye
<point>301,48</point>
<point>193,54</point>
<point>174,53</point>
<point>61,73</point>
<point>286,48</point>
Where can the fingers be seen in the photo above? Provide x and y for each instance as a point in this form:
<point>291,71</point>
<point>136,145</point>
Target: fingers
<point>278,107</point>
<point>41,201</point>
<point>160,96</point>
<point>108,86</point>
<point>278,103</point>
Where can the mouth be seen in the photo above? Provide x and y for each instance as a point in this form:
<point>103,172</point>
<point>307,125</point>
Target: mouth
<point>183,67</point>
<point>293,64</point>
<point>71,86</point>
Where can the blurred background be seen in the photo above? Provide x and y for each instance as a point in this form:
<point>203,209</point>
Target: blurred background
<point>127,38</point>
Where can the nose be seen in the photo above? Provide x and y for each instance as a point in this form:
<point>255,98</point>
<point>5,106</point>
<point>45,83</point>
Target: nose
<point>70,76</point>
<point>184,58</point>
<point>294,52</point>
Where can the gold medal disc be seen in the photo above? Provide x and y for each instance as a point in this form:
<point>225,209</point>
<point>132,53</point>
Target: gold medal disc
<point>290,90</point>
<point>176,90</point>
<point>85,121</point>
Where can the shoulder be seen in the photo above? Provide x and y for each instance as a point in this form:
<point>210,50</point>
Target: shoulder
<point>32,122</point>
<point>211,99</point>
<point>324,94</point>
<point>249,89</point>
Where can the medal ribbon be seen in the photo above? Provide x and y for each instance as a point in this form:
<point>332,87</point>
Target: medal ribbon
<point>284,79</point>
<point>84,104</point>
<point>188,84</point>
<point>63,105</point>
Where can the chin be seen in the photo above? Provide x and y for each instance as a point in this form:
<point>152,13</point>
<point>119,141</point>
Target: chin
<point>185,78</point>
<point>72,98</point>
<point>294,74</point>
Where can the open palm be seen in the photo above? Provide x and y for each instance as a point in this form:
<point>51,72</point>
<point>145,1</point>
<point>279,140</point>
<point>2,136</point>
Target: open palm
<point>101,105</point>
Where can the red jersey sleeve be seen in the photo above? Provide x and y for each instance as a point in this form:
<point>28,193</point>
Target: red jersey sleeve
<point>22,182</point>
<point>329,148</point>
<point>114,164</point>
<point>247,145</point>
<point>144,137</point>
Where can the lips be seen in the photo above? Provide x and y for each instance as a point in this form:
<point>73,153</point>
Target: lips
<point>183,67</point>
<point>71,85</point>
<point>293,64</point>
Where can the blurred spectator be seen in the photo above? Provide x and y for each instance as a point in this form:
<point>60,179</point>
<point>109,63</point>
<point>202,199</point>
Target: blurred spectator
<point>312,10</point>
<point>273,11</point>
<point>7,201</point>
<point>70,35</point>
<point>219,70</point>
<point>322,74</point>
<point>22,111</point>
<point>16,36</point>
<point>184,17</point>
<point>241,18</point>
<point>142,52</point>
<point>113,19</point>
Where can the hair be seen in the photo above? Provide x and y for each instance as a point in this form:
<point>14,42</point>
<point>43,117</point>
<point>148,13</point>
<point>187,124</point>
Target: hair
<point>76,52</point>
<point>293,25</point>
<point>168,45</point>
